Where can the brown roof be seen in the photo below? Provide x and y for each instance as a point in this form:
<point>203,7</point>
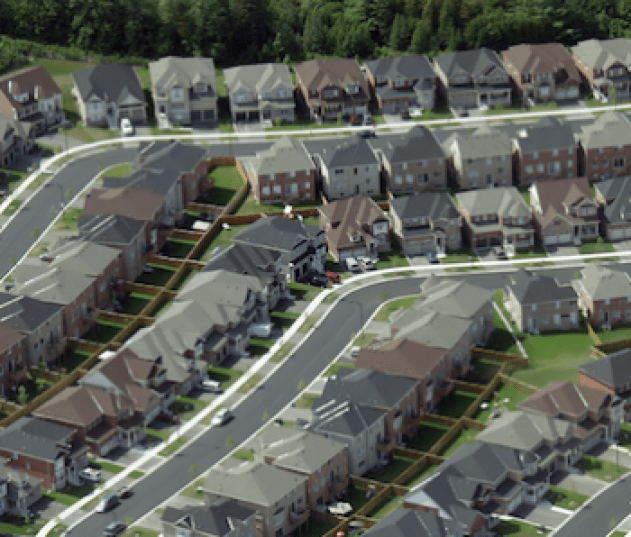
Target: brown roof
<point>24,81</point>
<point>542,58</point>
<point>318,74</point>
<point>400,357</point>
<point>566,398</point>
<point>348,217</point>
<point>9,337</point>
<point>129,202</point>
<point>556,195</point>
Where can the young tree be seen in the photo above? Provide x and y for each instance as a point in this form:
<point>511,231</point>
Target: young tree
<point>22,396</point>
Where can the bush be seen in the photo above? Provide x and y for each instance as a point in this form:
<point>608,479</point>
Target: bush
<point>279,121</point>
<point>499,107</point>
<point>340,119</point>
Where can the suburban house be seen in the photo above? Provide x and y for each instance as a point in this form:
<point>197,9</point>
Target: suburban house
<point>31,95</point>
<point>260,92</point>
<point>279,497</point>
<point>538,302</point>
<point>496,217</point>
<point>47,451</point>
<point>223,518</point>
<point>283,173</point>
<point>332,87</point>
<point>605,147</point>
<point>412,162</point>
<point>405,522</point>
<point>604,295</point>
<point>41,323</point>
<point>303,246</point>
<point>542,72</point>
<point>323,461</point>
<point>473,79</point>
<point>595,413</point>
<point>17,139</point>
<point>348,167</point>
<point>109,92</point>
<point>184,89</point>
<point>614,197</point>
<point>401,82</point>
<point>13,350</point>
<point>426,222</point>
<point>18,492</point>
<point>360,428</point>
<point>564,211</point>
<point>605,65</point>
<point>354,227</point>
<point>480,159</point>
<point>546,150</point>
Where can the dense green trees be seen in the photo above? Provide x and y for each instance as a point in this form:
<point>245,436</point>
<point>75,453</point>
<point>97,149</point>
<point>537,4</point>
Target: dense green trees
<point>241,31</point>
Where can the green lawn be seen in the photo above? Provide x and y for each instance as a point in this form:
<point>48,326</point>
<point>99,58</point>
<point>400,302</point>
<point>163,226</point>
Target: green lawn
<point>159,276</point>
<point>565,498</point>
<point>186,407</point>
<point>535,251</point>
<point>393,258</point>
<point>106,466</point>
<point>259,347</point>
<point>251,206</point>
<point>484,370</point>
<point>69,495</point>
<point>104,331</point>
<point>174,446</point>
<point>157,434</point>
<point>335,368</point>
<point>223,238</point>
<point>119,170</point>
<point>224,375</point>
<point>192,491</point>
<point>504,392</point>
<point>283,319</point>
<point>249,384</point>
<point>12,207</point>
<point>281,353</point>
<point>13,525</point>
<point>396,467</point>
<point>316,528</point>
<point>68,219</point>
<point>598,246</point>
<point>464,436</point>
<point>303,291</point>
<point>516,528</point>
<point>177,248</point>
<point>137,531</point>
<point>73,358</point>
<point>455,404</point>
<point>421,475</point>
<point>365,338</point>
<point>501,339</point>
<point>227,182</point>
<point>135,303</point>
<point>136,474</point>
<point>356,496</point>
<point>162,306</point>
<point>387,309</point>
<point>393,503</point>
<point>306,400</point>
<point>428,434</point>
<point>244,454</point>
<point>465,255</point>
<point>618,332</point>
<point>599,469</point>
<point>13,178</point>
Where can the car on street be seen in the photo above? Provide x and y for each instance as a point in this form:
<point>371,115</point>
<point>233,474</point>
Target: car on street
<point>90,474</point>
<point>261,329</point>
<point>125,491</point>
<point>431,257</point>
<point>352,264</point>
<point>222,417</point>
<point>108,502</point>
<point>114,528</point>
<point>365,263</point>
<point>126,127</point>
<point>211,386</point>
<point>367,134</point>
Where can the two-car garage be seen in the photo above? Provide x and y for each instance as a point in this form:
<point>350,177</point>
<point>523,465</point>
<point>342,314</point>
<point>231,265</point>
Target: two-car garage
<point>619,234</point>
<point>561,238</point>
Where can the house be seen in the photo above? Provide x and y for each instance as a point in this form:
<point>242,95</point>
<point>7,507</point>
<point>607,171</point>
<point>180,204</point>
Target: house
<point>31,95</point>
<point>604,295</point>
<point>13,350</point>
<point>283,173</point>
<point>480,159</point>
<point>405,522</point>
<point>47,451</point>
<point>41,323</point>
<point>595,413</point>
<point>17,138</point>
<point>279,497</point>
<point>109,92</point>
<point>329,88</point>
<point>605,147</point>
<point>412,162</point>
<point>402,82</point>
<point>354,227</point>
<point>538,302</point>
<point>542,72</point>
<point>303,246</point>
<point>605,65</point>
<point>426,222</point>
<point>260,92</point>
<point>473,79</point>
<point>18,492</point>
<point>348,168</point>
<point>223,518</point>
<point>544,151</point>
<point>184,90</point>
<point>564,211</point>
<point>496,217</point>
<point>613,195</point>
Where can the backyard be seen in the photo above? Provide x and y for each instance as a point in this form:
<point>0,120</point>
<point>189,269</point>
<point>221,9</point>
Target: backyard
<point>135,303</point>
<point>178,248</point>
<point>104,331</point>
<point>617,332</point>
<point>227,183</point>
<point>505,398</point>
<point>464,436</point>
<point>251,206</point>
<point>159,275</point>
<point>455,404</point>
<point>223,238</point>
<point>73,358</point>
<point>428,434</point>
<point>391,471</point>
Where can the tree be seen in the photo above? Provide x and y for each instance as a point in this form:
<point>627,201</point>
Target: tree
<point>22,395</point>
<point>315,35</point>
<point>400,35</point>
<point>421,37</point>
<point>97,25</point>
<point>613,92</point>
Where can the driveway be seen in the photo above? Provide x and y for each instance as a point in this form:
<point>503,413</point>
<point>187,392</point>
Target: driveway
<point>608,453</point>
<point>583,484</point>
<point>561,251</point>
<point>622,246</point>
<point>540,515</point>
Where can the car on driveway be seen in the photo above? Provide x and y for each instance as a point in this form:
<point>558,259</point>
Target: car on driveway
<point>365,263</point>
<point>352,264</point>
<point>126,127</point>
<point>318,280</point>
<point>431,257</point>
<point>261,329</point>
<point>114,528</point>
<point>405,116</point>
<point>368,120</point>
<point>211,386</point>
<point>356,120</point>
<point>222,417</point>
<point>333,277</point>
<point>90,474</point>
<point>109,501</point>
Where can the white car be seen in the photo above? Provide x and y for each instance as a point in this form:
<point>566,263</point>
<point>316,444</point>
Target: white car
<point>365,263</point>
<point>90,474</point>
<point>126,127</point>
<point>355,351</point>
<point>222,417</point>
<point>351,264</point>
<point>261,329</point>
<point>211,386</point>
<point>416,111</point>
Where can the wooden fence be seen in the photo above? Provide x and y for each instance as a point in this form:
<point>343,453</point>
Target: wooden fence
<point>497,356</point>
<point>517,384</point>
<point>613,346</point>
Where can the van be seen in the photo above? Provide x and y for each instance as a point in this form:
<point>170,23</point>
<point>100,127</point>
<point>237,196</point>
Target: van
<point>260,329</point>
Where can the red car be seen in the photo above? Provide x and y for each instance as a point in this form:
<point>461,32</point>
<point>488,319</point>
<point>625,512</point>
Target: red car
<point>356,120</point>
<point>332,276</point>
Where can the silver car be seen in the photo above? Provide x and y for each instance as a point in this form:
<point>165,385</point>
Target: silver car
<point>352,264</point>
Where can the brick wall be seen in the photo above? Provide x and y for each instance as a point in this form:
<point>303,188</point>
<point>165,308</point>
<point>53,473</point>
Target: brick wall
<point>596,163</point>
<point>40,469</point>
<point>535,166</point>
<point>432,176</point>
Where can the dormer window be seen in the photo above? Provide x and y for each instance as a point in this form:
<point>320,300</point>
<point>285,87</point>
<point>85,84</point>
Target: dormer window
<point>352,89</point>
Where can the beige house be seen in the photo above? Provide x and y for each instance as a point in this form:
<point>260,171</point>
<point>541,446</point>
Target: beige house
<point>605,64</point>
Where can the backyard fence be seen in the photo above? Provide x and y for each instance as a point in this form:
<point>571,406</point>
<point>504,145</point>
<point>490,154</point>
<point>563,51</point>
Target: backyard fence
<point>497,356</point>
<point>591,332</point>
<point>517,384</point>
<point>613,346</point>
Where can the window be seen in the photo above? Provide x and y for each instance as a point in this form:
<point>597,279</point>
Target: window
<point>177,94</point>
<point>530,168</point>
<point>554,167</point>
<point>307,185</point>
<point>102,287</point>
<point>557,319</point>
<point>554,153</point>
<point>607,302</point>
<point>423,178</point>
<point>605,162</point>
<point>533,307</point>
<point>409,178</point>
<point>535,155</point>
<point>292,174</point>
<point>627,314</point>
<point>618,162</point>
<point>489,160</point>
<point>339,171</point>
<point>265,191</point>
<point>404,166</point>
<point>277,189</point>
<point>282,94</point>
<point>398,180</point>
<point>616,314</point>
<point>557,304</point>
<point>291,189</point>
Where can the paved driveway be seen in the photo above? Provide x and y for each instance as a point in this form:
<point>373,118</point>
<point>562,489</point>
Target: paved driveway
<point>622,246</point>
<point>583,484</point>
<point>561,251</point>
<point>540,515</point>
<point>608,453</point>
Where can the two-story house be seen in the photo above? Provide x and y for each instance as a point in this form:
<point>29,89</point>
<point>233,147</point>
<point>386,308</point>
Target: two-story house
<point>222,518</point>
<point>542,72</point>
<point>109,92</point>
<point>32,95</point>
<point>564,211</point>
<point>348,168</point>
<point>44,450</point>
<point>480,159</point>
<point>260,92</point>
<point>13,348</point>
<point>404,522</point>
<point>283,173</point>
<point>496,217</point>
<point>614,197</point>
<point>355,227</point>
<point>473,79</point>
<point>18,492</point>
<point>605,147</point>
<point>604,294</point>
<point>605,64</point>
<point>332,87</point>
<point>184,90</point>
<point>426,222</point>
<point>538,302</point>
<point>402,82</point>
<point>546,150</point>
<point>16,139</point>
<point>412,162</point>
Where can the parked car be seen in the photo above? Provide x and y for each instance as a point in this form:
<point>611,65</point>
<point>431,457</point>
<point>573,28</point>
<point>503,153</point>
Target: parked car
<point>126,127</point>
<point>431,257</point>
<point>168,417</point>
<point>368,120</point>
<point>365,263</point>
<point>319,280</point>
<point>114,528</point>
<point>211,386</point>
<point>405,116</point>
<point>500,253</point>
<point>352,264</point>
<point>222,417</point>
<point>367,134</point>
<point>261,329</point>
<point>333,277</point>
<point>90,474</point>
<point>416,111</point>
<point>356,120</point>
<point>109,501</point>
<point>355,351</point>
<point>125,491</point>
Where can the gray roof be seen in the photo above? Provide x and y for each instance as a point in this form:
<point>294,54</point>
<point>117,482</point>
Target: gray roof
<point>110,82</point>
<point>343,417</point>
<point>24,313</point>
<point>457,298</point>
<point>484,142</point>
<point>505,201</point>
<point>109,229</point>
<point>432,205</point>
<point>277,232</point>
<point>473,62</point>
<point>613,370</point>
<point>258,77</point>
<point>536,288</point>
<point>410,67</point>
<point>601,283</point>
<point>171,155</point>
<point>548,133</point>
<point>159,182</point>
<point>410,522</point>
<point>223,287</point>
<point>245,259</point>
<point>602,54</point>
<point>214,519</point>
<point>57,286</point>
<point>430,328</point>
<point>417,144</point>
<point>612,129</point>
<point>183,72</point>
<point>37,438</point>
<point>286,155</point>
<point>353,151</point>
<point>617,193</point>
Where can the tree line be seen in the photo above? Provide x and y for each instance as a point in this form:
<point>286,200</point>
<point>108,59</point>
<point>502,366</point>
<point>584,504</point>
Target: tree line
<point>247,31</point>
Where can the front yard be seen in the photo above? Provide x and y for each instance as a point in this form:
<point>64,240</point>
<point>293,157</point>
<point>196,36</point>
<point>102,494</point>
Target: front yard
<point>224,375</point>
<point>387,309</point>
<point>598,246</point>
<point>599,469</point>
<point>465,255</point>
<point>565,498</point>
<point>186,407</point>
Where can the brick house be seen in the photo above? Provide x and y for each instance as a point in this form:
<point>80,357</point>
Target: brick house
<point>604,295</point>
<point>605,147</point>
<point>564,211</point>
<point>223,518</point>
<point>547,150</point>
<point>613,196</point>
<point>13,352</point>
<point>44,450</point>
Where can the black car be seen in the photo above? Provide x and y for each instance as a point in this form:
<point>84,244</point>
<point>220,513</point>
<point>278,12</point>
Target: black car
<point>366,134</point>
<point>405,116</point>
<point>318,280</point>
<point>114,528</point>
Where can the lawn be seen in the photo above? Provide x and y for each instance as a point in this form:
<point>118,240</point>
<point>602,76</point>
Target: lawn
<point>455,404</point>
<point>316,528</point>
<point>135,303</point>
<point>465,255</point>
<point>174,446</point>
<point>177,248</point>
<point>104,331</point>
<point>119,170</point>
<point>250,383</point>
<point>159,276</point>
<point>12,178</point>
<point>283,319</point>
<point>516,528</point>
<point>259,347</point>
<point>617,332</point>
<point>356,496</point>
<point>535,251</point>
<point>503,392</point>
<point>396,467</point>
<point>625,435</point>
<point>227,182</point>
<point>335,368</point>
<point>40,248</point>
<point>308,323</point>
<point>306,400</point>
<point>157,435</point>
<point>251,206</point>
<point>136,474</point>
<point>599,246</point>
<point>420,475</point>
<point>599,469</point>
<point>303,291</point>
<point>137,531</point>
<point>69,495</point>
<point>12,525</point>
<point>193,490</point>
<point>393,258</point>
<point>186,407</point>
<point>483,371</point>
<point>284,350</point>
<point>68,219</point>
<point>106,466</point>
<point>73,358</point>
<point>365,338</point>
<point>243,454</point>
<point>13,206</point>
<point>565,498</point>
<point>224,375</point>
<point>390,505</point>
<point>464,436</point>
<point>428,434</point>
<point>387,309</point>
<point>223,238</point>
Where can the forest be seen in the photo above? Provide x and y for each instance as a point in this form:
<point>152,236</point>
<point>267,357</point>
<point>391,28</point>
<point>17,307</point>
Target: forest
<point>249,31</point>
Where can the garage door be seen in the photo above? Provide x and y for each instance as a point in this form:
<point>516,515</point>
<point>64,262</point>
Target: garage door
<point>413,248</point>
<point>616,234</point>
<point>550,239</point>
<point>565,238</point>
<point>627,232</point>
<point>481,243</point>
<point>572,93</point>
<point>196,115</point>
<point>360,109</point>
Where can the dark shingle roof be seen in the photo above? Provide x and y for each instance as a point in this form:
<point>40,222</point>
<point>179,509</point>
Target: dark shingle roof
<point>169,156</point>
<point>158,181</point>
<point>617,192</point>
<point>417,144</point>
<point>244,259</point>
<point>277,232</point>
<point>348,152</point>
<point>109,229</point>
<point>410,522</point>
<point>432,205</point>
<point>111,82</point>
<point>612,370</point>
<point>410,67</point>
<point>548,133</point>
<point>35,437</point>
<point>211,520</point>
<point>343,417</point>
<point>531,288</point>
<point>25,313</point>
<point>474,62</point>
